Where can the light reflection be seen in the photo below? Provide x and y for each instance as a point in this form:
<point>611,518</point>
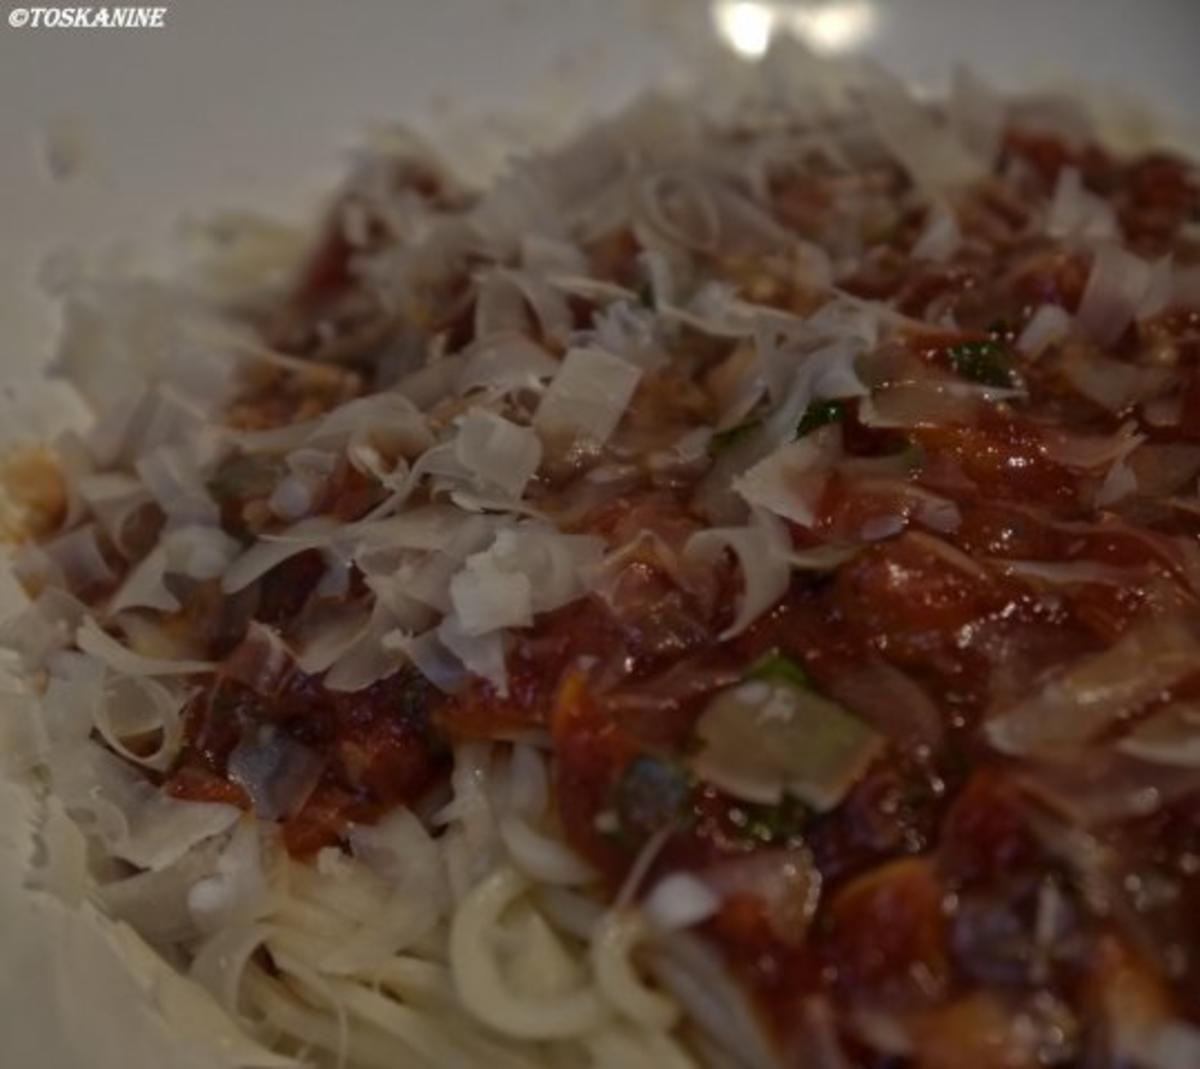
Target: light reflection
<point>746,25</point>
<point>834,27</point>
<point>828,26</point>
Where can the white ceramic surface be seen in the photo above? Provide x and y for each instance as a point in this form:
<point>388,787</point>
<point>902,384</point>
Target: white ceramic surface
<point>253,103</point>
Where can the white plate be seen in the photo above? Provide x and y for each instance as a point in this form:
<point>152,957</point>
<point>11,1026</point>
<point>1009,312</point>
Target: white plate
<point>254,103</point>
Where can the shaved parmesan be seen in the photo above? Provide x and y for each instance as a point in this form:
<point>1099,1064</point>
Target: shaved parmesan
<point>268,552</point>
<point>790,481</point>
<point>941,237</point>
<point>1047,326</point>
<point>505,363</point>
<point>1077,212</point>
<point>482,655</point>
<point>1116,287</point>
<point>485,598</point>
<point>588,396</point>
<point>928,150</point>
<point>496,452</point>
<point>175,476</point>
<point>134,818</point>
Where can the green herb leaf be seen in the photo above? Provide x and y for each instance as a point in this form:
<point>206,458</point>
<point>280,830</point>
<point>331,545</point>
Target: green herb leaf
<point>772,824</point>
<point>820,413</point>
<point>987,362</point>
<point>777,667</point>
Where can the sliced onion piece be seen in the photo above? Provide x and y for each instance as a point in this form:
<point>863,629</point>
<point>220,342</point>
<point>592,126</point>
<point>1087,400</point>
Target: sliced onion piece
<point>892,702</point>
<point>761,550</point>
<point>1090,452</point>
<point>1169,736</point>
<point>1119,482</point>
<point>1097,691</point>
<point>918,404</point>
<point>276,772</point>
<point>764,738</point>
<point>1069,573</point>
<point>260,661</point>
<point>1114,384</point>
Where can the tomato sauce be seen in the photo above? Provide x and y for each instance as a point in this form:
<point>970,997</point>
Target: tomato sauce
<point>941,904</point>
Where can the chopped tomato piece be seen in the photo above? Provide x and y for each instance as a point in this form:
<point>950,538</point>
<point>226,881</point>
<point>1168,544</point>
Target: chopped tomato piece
<point>591,754</point>
<point>321,822</point>
<point>194,783</point>
<point>986,833</point>
<point>885,939</point>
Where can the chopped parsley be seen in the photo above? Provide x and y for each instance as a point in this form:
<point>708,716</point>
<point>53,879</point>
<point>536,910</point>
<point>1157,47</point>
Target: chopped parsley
<point>987,362</point>
<point>770,825</point>
<point>776,667</point>
<point>820,413</point>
